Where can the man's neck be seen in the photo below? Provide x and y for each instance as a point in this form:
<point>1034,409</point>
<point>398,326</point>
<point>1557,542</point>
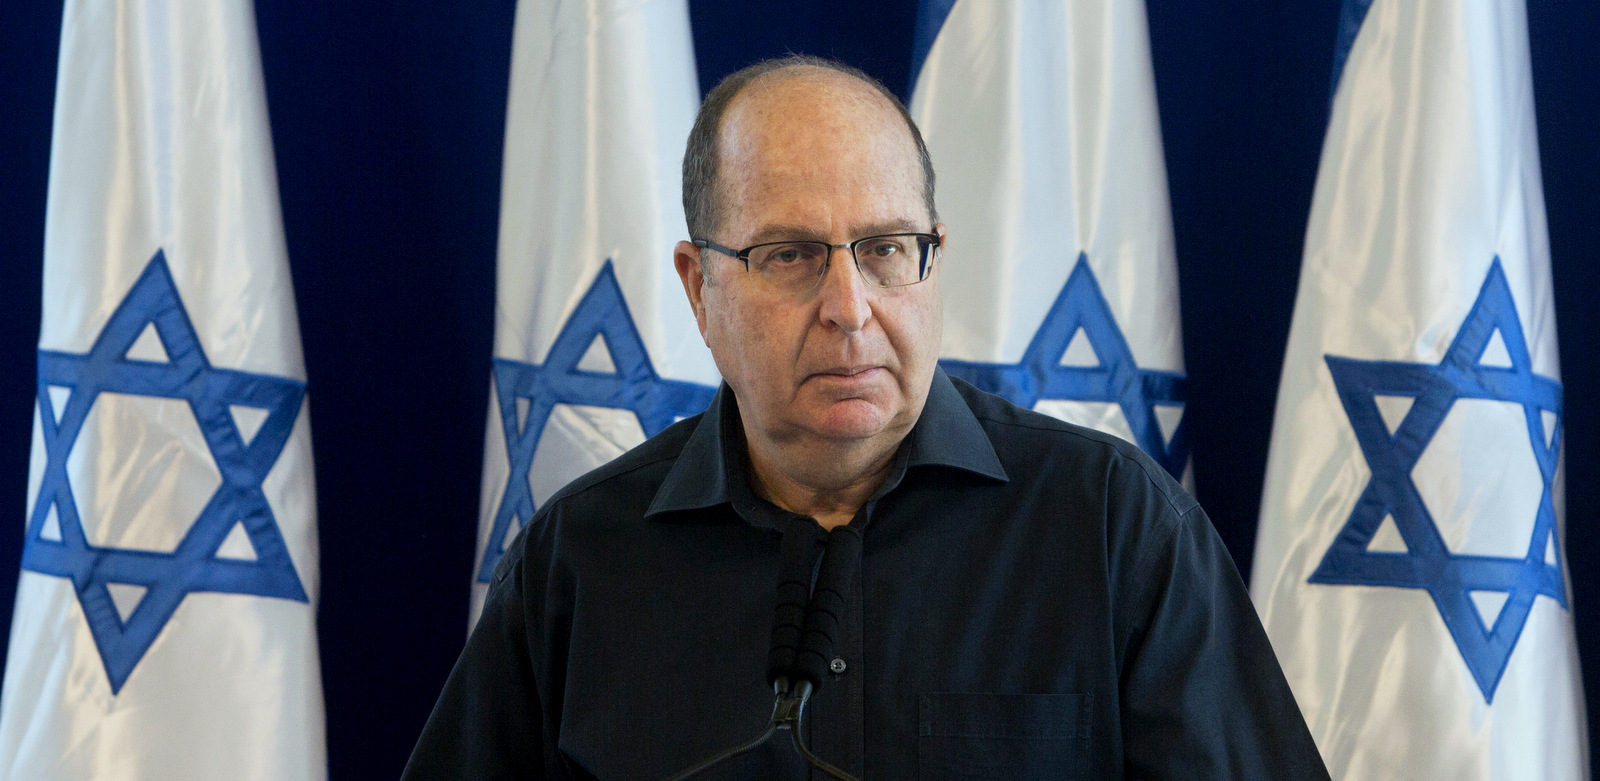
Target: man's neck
<point>825,481</point>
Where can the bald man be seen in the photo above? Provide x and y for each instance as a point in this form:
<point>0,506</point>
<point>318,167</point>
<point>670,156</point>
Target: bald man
<point>945,585</point>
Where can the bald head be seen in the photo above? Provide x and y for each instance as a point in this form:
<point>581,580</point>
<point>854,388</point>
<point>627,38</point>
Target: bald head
<point>789,101</point>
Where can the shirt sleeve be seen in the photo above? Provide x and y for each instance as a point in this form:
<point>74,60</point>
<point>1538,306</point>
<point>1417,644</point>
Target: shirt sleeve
<point>1202,694</point>
<point>487,723</point>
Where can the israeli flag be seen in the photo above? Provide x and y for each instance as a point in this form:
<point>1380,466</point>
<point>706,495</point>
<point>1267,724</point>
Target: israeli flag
<point>1409,567</point>
<point>166,612</point>
<point>595,345</point>
<point>1060,277</point>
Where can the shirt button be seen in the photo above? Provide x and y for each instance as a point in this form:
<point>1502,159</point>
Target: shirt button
<point>837,665</point>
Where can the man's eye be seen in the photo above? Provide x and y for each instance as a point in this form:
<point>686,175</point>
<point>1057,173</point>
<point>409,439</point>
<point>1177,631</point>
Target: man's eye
<point>799,254</point>
<point>883,249</point>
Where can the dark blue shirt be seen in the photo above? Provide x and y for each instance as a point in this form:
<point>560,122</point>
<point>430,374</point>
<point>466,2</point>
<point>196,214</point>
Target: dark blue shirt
<point>1034,600</point>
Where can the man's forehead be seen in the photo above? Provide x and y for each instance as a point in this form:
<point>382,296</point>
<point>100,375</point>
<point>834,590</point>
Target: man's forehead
<point>790,138</point>
<point>809,106</point>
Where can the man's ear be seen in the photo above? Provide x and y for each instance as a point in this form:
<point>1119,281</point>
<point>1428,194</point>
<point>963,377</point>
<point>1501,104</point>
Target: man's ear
<point>686,258</point>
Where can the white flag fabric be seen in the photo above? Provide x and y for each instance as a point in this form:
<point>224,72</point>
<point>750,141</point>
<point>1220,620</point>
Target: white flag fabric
<point>165,623</point>
<point>1060,277</point>
<point>595,345</point>
<point>1409,567</point>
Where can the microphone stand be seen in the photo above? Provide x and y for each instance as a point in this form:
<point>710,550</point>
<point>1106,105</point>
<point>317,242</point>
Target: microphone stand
<point>802,636</point>
<point>788,710</point>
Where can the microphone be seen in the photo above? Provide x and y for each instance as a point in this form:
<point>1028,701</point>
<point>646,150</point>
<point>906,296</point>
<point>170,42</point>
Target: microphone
<point>804,622</point>
<point>797,556</point>
<point>835,577</point>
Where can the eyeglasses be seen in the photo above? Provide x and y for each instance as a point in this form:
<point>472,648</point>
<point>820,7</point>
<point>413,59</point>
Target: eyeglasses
<point>891,260</point>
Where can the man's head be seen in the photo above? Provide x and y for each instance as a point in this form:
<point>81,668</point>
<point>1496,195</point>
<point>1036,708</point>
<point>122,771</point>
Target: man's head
<point>701,201</point>
<point>800,149</point>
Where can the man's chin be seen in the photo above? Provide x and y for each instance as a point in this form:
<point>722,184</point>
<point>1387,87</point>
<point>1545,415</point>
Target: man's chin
<point>852,419</point>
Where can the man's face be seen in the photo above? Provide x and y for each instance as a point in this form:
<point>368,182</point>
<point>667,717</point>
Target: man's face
<point>817,157</point>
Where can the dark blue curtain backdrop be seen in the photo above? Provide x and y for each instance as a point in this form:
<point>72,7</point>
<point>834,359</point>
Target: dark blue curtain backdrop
<point>388,129</point>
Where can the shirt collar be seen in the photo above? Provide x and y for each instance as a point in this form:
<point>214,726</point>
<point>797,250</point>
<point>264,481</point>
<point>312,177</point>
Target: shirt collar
<point>699,478</point>
<point>947,434</point>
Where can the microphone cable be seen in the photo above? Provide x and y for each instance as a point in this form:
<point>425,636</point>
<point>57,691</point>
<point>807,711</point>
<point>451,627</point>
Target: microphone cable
<point>804,623</point>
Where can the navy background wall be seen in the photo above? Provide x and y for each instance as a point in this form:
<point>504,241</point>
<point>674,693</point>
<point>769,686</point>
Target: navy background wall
<point>388,128</point>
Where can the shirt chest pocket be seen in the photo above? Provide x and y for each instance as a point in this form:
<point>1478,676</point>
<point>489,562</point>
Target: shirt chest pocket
<point>979,735</point>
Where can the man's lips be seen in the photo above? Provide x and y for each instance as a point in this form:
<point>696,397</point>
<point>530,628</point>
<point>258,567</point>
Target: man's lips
<point>848,372</point>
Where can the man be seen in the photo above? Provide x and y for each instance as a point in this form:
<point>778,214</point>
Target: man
<point>1032,599</point>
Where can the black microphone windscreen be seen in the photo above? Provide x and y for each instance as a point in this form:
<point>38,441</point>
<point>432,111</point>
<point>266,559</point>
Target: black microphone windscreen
<point>835,579</point>
<point>797,555</point>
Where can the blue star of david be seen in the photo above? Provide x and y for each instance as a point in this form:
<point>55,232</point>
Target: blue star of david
<point>1427,564</point>
<point>657,402</point>
<point>1117,379</point>
<point>195,564</point>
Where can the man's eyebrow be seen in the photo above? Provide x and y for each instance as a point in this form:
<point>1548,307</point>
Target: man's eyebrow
<point>896,226</point>
<point>803,233</point>
<point>786,233</point>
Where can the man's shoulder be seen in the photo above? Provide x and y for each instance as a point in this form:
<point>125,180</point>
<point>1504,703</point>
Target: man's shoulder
<point>641,467</point>
<point>1039,445</point>
<point>612,495</point>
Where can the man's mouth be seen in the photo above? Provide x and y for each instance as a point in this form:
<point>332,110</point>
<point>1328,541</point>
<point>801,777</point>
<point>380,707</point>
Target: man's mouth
<point>848,371</point>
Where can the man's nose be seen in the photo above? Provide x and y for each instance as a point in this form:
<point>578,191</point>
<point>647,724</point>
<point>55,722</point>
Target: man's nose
<point>844,293</point>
